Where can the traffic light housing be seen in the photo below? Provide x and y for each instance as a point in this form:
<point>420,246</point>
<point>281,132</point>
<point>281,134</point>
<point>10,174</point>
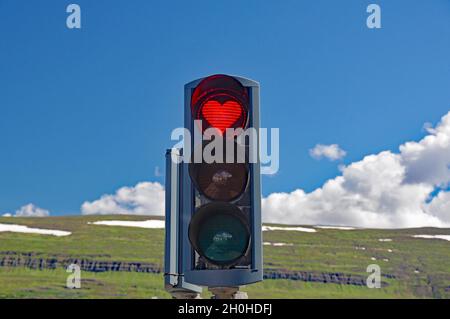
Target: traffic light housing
<point>221,199</point>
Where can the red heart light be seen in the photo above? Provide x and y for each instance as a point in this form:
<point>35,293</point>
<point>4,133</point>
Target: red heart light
<point>222,116</point>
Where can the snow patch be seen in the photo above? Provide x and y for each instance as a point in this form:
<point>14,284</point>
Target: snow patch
<point>384,239</point>
<point>150,224</point>
<point>443,237</point>
<point>302,229</point>
<point>336,227</point>
<point>277,244</point>
<point>27,230</point>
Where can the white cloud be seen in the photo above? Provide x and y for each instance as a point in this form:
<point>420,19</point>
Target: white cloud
<point>428,160</point>
<point>440,206</point>
<point>332,152</point>
<point>145,198</point>
<point>7,215</point>
<point>31,210</point>
<point>385,190</point>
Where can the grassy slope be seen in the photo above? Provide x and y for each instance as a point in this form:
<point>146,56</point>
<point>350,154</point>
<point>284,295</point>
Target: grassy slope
<point>325,251</point>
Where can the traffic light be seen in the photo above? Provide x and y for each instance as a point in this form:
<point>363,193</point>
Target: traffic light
<point>221,195</point>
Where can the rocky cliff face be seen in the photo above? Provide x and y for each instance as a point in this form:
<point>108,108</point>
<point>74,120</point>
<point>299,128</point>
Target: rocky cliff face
<point>34,261</point>
<point>85,264</point>
<point>320,277</point>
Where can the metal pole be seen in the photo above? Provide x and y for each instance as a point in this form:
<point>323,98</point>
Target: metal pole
<point>183,294</point>
<point>227,293</point>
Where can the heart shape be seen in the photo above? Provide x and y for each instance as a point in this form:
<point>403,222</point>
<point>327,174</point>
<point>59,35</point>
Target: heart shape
<point>222,116</point>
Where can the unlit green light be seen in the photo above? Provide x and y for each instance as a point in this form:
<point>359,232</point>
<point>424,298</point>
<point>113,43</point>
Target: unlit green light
<point>223,238</point>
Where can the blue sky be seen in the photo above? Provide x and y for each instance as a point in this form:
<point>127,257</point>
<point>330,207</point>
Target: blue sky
<point>85,112</point>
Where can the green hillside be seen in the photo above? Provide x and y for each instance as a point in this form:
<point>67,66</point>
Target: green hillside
<point>126,262</point>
